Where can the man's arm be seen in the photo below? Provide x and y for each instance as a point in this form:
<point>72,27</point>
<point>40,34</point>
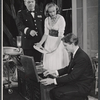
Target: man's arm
<point>54,73</point>
<point>19,22</point>
<point>22,27</point>
<point>63,71</point>
<point>78,70</point>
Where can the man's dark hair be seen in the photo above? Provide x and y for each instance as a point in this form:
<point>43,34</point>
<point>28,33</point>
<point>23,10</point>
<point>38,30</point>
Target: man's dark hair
<point>70,38</point>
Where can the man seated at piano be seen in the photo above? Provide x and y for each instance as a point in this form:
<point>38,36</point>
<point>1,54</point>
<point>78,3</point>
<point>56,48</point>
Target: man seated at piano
<point>74,82</point>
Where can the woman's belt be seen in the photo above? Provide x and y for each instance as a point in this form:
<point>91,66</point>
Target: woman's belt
<point>53,33</point>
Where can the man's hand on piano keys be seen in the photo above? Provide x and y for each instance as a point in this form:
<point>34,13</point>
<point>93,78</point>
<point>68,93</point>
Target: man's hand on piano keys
<point>47,81</point>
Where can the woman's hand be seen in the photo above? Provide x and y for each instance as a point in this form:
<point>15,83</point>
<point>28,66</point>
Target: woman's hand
<point>38,45</point>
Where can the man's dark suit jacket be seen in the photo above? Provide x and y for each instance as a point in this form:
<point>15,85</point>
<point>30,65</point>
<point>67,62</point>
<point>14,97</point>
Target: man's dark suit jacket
<point>79,72</point>
<point>25,19</point>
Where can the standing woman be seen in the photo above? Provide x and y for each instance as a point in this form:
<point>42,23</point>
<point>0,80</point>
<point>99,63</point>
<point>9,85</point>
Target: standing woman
<point>57,56</point>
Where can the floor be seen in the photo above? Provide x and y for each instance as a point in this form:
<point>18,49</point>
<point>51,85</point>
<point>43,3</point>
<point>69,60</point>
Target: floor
<point>14,96</point>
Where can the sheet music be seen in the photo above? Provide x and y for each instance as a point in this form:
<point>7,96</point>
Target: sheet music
<point>42,50</point>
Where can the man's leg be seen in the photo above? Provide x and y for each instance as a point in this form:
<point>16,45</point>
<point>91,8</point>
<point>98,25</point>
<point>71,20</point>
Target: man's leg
<point>67,92</point>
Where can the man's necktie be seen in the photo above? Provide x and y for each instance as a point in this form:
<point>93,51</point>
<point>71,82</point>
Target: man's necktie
<point>32,11</point>
<point>71,58</point>
<point>70,63</point>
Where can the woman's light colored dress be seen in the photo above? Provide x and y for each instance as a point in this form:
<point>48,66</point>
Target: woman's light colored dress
<point>58,58</point>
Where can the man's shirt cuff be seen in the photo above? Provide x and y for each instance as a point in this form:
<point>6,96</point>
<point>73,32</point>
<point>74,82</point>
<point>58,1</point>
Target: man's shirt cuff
<point>55,82</point>
<point>25,30</point>
<point>57,73</point>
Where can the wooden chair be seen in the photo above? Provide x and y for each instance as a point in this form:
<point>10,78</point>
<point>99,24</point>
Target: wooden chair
<point>95,67</point>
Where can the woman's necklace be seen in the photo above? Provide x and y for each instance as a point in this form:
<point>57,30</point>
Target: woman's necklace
<point>53,20</point>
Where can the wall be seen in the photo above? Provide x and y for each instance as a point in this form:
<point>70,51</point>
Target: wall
<point>92,27</point>
<point>85,24</point>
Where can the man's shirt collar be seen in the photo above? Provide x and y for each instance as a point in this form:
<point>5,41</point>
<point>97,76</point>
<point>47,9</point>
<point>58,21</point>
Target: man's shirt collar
<point>75,51</point>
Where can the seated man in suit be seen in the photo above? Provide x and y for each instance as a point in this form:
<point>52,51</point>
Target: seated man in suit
<point>75,80</point>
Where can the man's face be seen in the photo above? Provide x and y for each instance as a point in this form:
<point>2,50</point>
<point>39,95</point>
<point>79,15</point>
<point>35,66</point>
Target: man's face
<point>68,47</point>
<point>30,4</point>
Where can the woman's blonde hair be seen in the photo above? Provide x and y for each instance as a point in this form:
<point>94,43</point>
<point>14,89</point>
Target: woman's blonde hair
<point>52,4</point>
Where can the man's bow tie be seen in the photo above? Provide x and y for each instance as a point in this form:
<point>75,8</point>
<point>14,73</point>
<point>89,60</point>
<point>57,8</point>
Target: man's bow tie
<point>32,11</point>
